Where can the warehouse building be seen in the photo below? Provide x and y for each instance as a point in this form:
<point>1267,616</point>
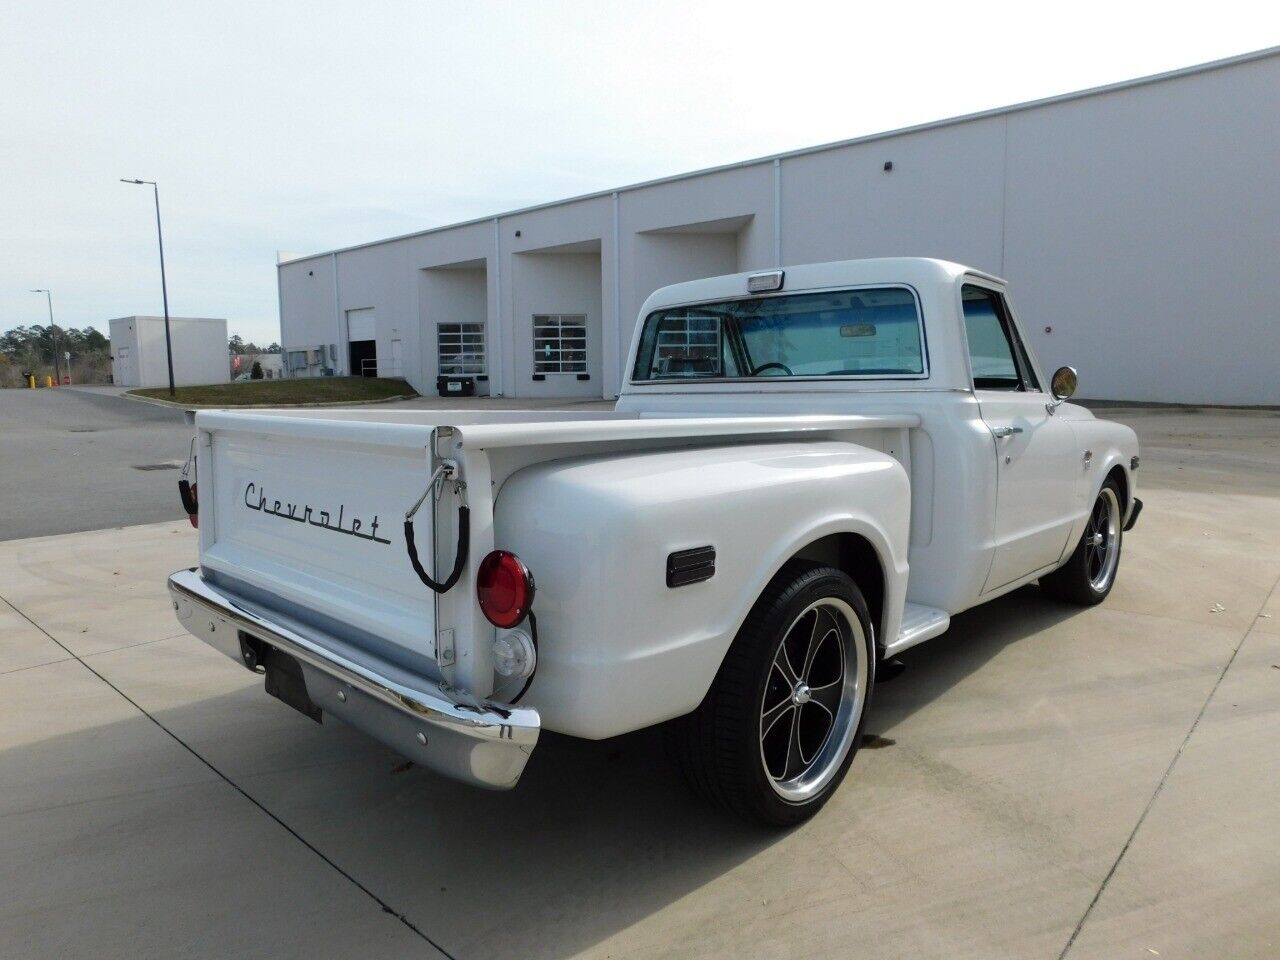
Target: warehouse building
<point>139,357</point>
<point>1139,224</point>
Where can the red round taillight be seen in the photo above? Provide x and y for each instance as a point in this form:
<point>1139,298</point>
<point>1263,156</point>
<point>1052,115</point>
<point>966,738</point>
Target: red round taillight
<point>504,587</point>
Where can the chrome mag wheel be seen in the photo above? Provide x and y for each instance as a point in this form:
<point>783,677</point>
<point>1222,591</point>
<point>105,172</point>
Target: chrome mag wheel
<point>1102,540</point>
<point>813,699</point>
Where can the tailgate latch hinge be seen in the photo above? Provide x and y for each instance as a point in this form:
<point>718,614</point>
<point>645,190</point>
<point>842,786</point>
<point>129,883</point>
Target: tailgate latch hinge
<point>446,472</point>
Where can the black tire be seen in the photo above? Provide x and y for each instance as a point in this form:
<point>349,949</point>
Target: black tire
<point>1081,580</point>
<point>721,747</point>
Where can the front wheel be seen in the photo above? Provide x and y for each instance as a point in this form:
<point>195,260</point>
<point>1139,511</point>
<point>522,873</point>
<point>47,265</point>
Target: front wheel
<point>781,723</point>
<point>1089,575</point>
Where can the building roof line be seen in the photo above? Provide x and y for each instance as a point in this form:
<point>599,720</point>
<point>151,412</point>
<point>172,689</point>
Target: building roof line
<point>987,114</point>
<point>149,316</point>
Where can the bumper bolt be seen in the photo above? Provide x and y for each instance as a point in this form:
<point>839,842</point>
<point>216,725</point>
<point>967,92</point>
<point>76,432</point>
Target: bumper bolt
<point>342,696</point>
<point>422,739</point>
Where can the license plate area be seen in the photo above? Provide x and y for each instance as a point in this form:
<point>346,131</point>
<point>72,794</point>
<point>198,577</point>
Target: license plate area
<point>284,679</point>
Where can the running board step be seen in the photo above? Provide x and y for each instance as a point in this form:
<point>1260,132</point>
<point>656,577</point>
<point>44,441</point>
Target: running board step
<point>919,623</point>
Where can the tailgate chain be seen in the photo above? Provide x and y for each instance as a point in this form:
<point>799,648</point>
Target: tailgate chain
<point>187,488</point>
<point>447,472</point>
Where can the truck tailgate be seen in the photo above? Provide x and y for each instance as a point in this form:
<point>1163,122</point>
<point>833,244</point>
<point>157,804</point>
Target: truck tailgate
<point>309,513</point>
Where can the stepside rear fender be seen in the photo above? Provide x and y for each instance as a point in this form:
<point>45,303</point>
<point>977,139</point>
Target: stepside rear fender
<point>619,648</point>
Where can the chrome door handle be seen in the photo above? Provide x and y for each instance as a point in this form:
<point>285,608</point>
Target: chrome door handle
<point>1001,432</point>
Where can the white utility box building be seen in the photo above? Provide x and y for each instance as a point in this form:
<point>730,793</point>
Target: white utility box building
<point>138,357</point>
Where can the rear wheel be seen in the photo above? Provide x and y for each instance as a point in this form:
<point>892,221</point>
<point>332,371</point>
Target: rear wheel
<point>1089,575</point>
<point>781,723</point>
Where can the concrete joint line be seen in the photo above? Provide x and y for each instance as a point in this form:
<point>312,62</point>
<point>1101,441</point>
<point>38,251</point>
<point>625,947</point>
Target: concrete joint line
<point>386,908</point>
<point>1165,777</point>
<point>34,666</point>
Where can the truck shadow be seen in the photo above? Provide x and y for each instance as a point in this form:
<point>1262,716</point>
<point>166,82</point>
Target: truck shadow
<point>601,836</point>
<point>974,638</point>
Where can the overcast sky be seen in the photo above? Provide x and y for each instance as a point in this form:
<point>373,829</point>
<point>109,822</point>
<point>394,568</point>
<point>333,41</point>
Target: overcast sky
<point>303,126</point>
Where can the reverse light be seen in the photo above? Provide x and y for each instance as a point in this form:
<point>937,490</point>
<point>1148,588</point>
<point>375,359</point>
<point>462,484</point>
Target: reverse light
<point>514,655</point>
<point>504,587</point>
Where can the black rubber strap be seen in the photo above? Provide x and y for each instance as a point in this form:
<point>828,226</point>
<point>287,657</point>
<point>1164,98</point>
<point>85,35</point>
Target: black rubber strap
<point>464,541</point>
<point>188,497</point>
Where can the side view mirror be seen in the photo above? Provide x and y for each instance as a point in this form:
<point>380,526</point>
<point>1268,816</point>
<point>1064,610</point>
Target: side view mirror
<point>1064,383</point>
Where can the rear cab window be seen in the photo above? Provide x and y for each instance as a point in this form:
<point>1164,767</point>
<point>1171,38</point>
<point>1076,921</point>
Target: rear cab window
<point>867,333</point>
<point>997,358</point>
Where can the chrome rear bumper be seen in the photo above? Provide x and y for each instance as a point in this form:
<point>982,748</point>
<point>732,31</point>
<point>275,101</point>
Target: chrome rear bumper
<point>477,742</point>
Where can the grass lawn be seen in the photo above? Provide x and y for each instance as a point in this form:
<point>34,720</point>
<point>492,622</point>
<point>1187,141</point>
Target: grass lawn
<point>285,393</point>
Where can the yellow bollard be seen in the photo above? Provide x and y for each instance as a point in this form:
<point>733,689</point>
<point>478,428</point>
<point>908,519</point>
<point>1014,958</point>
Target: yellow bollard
<point>31,381</point>
<point>48,380</point>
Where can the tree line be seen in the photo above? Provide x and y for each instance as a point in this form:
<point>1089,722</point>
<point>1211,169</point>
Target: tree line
<point>31,350</point>
<point>238,345</point>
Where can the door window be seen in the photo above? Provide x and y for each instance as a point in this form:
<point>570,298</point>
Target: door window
<point>996,356</point>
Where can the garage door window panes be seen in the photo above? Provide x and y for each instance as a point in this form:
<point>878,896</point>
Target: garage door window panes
<point>559,343</point>
<point>689,346</point>
<point>461,349</point>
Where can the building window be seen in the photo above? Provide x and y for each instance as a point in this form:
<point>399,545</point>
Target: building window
<point>559,343</point>
<point>460,347</point>
<point>297,359</point>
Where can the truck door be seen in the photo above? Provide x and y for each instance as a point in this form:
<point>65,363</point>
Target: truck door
<point>1037,466</point>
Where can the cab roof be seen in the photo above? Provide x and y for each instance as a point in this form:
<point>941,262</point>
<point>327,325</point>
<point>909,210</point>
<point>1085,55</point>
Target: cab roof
<point>918,272</point>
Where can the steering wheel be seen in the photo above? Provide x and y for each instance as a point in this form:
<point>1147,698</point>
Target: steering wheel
<point>769,366</point>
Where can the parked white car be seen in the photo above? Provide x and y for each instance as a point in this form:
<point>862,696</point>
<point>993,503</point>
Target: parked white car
<point>808,471</point>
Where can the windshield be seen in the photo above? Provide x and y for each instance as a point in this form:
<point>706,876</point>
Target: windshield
<point>873,332</point>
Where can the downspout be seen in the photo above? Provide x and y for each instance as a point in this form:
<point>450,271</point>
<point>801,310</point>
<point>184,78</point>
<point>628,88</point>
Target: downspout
<point>777,212</point>
<point>341,340</point>
<point>617,298</point>
<point>494,342</point>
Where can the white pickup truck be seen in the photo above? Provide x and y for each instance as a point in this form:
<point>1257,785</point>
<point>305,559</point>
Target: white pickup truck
<point>808,471</point>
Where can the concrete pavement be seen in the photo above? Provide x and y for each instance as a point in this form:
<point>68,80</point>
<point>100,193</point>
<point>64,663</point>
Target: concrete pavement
<point>1048,781</point>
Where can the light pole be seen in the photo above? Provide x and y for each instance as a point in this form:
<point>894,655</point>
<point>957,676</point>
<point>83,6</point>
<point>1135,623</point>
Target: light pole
<point>53,332</point>
<point>164,287</point>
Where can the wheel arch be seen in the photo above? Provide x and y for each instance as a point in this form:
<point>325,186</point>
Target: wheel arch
<point>1122,481</point>
<point>855,555</point>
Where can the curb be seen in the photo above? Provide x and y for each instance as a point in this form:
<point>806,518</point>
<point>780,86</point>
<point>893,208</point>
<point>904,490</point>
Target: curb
<point>265,406</point>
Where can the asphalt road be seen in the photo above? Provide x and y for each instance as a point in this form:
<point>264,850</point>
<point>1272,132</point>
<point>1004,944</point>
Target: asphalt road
<point>70,458</point>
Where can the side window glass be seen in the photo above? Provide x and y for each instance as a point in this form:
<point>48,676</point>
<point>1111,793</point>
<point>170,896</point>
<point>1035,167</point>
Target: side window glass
<point>991,352</point>
<point>1029,381</point>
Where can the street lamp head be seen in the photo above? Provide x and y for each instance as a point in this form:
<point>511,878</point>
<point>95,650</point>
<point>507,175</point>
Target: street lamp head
<point>125,180</point>
<point>41,290</point>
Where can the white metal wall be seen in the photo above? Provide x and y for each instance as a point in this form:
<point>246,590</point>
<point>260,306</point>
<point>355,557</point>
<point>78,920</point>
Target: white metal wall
<point>1138,224</point>
<point>199,351</point>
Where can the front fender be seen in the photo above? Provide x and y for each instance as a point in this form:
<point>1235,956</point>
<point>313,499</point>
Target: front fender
<point>1113,445</point>
<point>618,648</point>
